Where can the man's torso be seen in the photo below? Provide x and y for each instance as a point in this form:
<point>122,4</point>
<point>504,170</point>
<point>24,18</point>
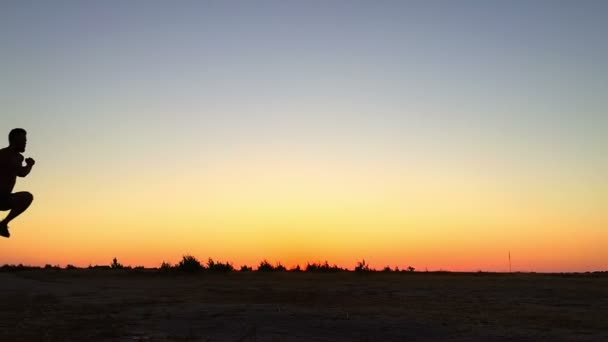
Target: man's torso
<point>10,161</point>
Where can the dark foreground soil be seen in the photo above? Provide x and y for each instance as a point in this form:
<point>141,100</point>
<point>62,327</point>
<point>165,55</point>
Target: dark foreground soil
<point>94,305</point>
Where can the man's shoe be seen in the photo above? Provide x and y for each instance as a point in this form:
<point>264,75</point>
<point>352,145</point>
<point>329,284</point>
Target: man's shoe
<point>4,231</point>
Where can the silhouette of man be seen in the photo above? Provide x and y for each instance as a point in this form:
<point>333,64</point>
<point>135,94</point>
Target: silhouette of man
<point>11,167</point>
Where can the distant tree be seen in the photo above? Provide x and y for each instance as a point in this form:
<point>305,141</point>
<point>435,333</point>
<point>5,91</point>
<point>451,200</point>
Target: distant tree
<point>265,266</point>
<point>246,268</point>
<point>70,267</point>
<point>387,269</point>
<point>279,267</point>
<point>362,267</point>
<point>220,267</point>
<point>325,267</point>
<point>411,269</point>
<point>189,264</point>
<point>165,267</point>
<point>13,268</point>
<point>296,269</point>
<point>100,267</point>
<point>116,265</point>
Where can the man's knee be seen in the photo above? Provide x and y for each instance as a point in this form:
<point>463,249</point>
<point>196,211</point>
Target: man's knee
<point>23,198</point>
<point>29,198</point>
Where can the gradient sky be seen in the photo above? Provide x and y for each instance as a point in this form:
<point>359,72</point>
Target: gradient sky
<point>437,134</point>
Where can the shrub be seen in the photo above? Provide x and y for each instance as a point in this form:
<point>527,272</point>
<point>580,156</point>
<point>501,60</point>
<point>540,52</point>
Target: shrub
<point>189,264</point>
<point>325,267</point>
<point>13,268</point>
<point>362,267</point>
<point>165,267</point>
<point>100,267</point>
<point>219,267</point>
<point>116,265</point>
<point>246,268</point>
<point>265,266</point>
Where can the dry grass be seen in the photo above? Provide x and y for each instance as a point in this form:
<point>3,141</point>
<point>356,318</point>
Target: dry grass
<point>113,305</point>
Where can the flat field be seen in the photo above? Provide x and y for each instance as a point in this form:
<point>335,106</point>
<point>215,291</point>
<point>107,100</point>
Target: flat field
<point>110,305</point>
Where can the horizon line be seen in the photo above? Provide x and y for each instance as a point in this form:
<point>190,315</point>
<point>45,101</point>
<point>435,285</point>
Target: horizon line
<point>291,268</point>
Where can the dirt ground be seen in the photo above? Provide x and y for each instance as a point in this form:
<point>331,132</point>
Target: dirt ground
<point>94,305</point>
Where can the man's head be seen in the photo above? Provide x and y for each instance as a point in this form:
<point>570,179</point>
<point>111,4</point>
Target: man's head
<point>17,139</point>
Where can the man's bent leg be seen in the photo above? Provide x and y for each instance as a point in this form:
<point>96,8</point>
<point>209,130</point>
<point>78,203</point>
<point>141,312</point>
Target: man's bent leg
<point>20,201</point>
<point>5,204</point>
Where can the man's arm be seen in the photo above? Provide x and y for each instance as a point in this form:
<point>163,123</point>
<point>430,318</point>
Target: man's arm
<point>23,171</point>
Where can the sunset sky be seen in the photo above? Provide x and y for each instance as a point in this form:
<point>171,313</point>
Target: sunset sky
<point>436,134</point>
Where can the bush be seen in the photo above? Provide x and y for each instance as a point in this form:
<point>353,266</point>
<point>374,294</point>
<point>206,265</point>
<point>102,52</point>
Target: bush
<point>189,264</point>
<point>14,268</point>
<point>362,267</point>
<point>99,267</point>
<point>116,265</point>
<point>325,267</point>
<point>246,268</point>
<point>213,266</point>
<point>165,267</point>
<point>265,266</point>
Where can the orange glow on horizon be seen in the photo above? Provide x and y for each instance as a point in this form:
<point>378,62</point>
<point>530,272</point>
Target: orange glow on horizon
<point>294,212</point>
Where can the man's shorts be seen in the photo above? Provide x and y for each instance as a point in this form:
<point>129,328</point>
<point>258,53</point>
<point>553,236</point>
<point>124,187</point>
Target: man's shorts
<point>5,201</point>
